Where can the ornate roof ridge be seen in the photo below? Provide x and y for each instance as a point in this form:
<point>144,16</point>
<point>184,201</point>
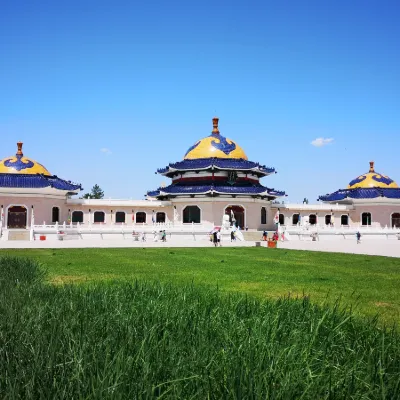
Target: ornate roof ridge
<point>201,189</point>
<point>222,163</point>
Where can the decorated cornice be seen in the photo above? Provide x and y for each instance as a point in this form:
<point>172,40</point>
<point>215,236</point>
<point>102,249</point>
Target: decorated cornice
<point>216,163</point>
<point>218,189</point>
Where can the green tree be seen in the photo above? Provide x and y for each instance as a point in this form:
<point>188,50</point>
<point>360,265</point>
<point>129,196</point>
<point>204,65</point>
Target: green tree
<point>95,193</point>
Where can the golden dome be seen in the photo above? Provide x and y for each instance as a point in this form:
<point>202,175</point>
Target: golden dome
<point>19,164</point>
<point>216,146</point>
<point>372,179</point>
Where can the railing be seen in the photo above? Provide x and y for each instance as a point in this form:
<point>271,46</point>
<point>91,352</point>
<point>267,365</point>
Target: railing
<point>313,207</point>
<point>119,228</point>
<point>303,230</point>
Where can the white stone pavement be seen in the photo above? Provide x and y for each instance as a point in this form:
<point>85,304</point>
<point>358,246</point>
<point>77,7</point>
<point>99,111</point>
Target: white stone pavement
<point>389,248</point>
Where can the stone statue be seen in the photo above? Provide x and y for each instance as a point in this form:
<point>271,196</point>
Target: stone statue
<point>226,225</point>
<point>176,215</point>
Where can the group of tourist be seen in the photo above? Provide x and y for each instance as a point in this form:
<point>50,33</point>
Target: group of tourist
<point>275,236</point>
<point>162,235</point>
<point>215,237</point>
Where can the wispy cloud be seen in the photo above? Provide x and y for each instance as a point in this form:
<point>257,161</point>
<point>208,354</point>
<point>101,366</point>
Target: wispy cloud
<point>105,150</point>
<point>319,142</point>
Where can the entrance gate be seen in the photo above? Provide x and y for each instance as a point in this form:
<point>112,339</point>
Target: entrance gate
<point>238,214</point>
<point>17,216</point>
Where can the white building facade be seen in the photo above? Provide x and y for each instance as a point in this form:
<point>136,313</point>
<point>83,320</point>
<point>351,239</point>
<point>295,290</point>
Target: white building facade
<point>215,179</point>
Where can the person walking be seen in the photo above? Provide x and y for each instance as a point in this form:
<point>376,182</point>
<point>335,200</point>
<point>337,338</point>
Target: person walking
<point>233,238</point>
<point>215,238</point>
<point>358,234</point>
<point>219,238</point>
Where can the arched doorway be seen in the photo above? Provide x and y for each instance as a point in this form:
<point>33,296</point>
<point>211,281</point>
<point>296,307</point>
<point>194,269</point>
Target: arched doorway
<point>366,219</point>
<point>396,220</point>
<point>237,215</point>
<point>17,217</point>
<point>191,214</point>
<point>55,215</point>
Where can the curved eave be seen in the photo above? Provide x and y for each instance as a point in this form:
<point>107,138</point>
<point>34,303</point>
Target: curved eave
<point>361,193</point>
<point>38,182</point>
<point>215,164</point>
<point>203,190</point>
<point>172,171</point>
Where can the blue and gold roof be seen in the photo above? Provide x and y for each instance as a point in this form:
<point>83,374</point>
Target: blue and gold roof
<point>366,186</point>
<point>372,179</point>
<point>19,164</point>
<point>22,172</point>
<point>215,146</point>
<point>215,153</point>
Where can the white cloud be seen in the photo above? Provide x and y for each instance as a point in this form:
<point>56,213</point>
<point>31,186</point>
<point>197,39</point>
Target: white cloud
<point>105,150</point>
<point>319,142</point>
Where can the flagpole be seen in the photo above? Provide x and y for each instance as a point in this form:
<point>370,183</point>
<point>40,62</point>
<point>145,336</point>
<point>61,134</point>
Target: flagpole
<point>32,236</point>
<point>1,220</point>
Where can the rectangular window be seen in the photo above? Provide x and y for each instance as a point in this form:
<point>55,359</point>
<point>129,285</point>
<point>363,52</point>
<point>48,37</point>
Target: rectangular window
<point>263,216</point>
<point>120,217</point>
<point>55,215</point>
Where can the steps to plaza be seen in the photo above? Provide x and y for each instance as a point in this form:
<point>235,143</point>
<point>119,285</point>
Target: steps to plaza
<point>17,234</point>
<point>253,236</point>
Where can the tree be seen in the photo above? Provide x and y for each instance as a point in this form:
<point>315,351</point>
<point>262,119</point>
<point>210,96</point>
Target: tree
<point>95,193</point>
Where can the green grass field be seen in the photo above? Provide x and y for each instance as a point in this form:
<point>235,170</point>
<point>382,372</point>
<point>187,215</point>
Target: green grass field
<point>143,340</point>
<point>370,283</point>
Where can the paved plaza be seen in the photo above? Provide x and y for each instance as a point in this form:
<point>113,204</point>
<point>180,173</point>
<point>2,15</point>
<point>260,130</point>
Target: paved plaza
<point>389,248</point>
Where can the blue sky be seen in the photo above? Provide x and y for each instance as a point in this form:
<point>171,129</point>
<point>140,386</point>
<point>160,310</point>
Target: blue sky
<point>144,79</point>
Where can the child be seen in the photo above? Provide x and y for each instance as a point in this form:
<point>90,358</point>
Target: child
<point>265,236</point>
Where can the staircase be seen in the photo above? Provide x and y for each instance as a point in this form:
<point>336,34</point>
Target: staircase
<point>17,234</point>
<point>252,236</point>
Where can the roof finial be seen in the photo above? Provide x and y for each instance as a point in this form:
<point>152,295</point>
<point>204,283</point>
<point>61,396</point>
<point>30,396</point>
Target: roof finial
<point>19,147</point>
<point>215,130</point>
<point>371,166</point>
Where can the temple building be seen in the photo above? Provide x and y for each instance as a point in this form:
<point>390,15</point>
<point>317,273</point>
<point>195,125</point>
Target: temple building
<point>215,178</point>
<point>370,202</point>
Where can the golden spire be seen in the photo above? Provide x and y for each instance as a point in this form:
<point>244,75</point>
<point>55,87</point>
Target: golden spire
<point>215,130</point>
<point>19,147</point>
<point>371,166</point>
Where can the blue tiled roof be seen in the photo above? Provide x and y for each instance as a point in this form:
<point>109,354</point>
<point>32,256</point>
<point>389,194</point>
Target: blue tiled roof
<point>362,193</point>
<point>226,189</point>
<point>36,182</point>
<point>219,163</point>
